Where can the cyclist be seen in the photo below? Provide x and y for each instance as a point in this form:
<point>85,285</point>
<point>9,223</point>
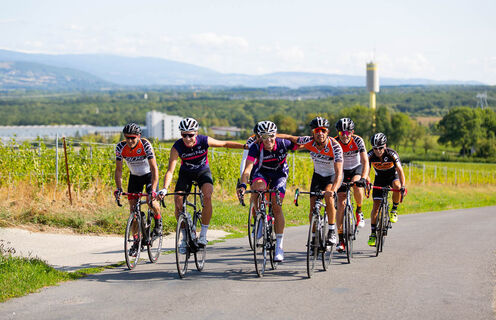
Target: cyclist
<point>140,158</point>
<point>268,160</point>
<point>192,149</point>
<point>388,173</point>
<point>327,156</point>
<point>356,168</point>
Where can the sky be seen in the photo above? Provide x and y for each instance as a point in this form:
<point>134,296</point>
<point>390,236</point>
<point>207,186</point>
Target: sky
<point>432,39</point>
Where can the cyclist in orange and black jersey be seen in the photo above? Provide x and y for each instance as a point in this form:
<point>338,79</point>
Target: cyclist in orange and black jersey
<point>388,173</point>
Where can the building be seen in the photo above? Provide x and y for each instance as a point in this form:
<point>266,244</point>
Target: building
<point>162,126</point>
<point>234,132</point>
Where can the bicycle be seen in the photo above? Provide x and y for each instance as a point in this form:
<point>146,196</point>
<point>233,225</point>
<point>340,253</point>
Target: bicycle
<point>317,232</point>
<point>139,233</point>
<point>264,237</point>
<point>187,233</point>
<point>349,222</point>
<point>383,222</point>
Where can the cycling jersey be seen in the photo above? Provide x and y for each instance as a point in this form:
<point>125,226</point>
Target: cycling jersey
<point>351,151</point>
<point>385,165</point>
<point>323,159</point>
<point>193,158</point>
<point>273,160</point>
<point>248,143</point>
<point>137,157</point>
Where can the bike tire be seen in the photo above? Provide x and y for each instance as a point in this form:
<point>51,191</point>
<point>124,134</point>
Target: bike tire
<point>348,233</point>
<point>129,240</point>
<point>312,245</point>
<point>251,225</point>
<point>385,226</point>
<point>182,257</point>
<point>272,245</point>
<point>260,245</point>
<point>326,249</point>
<point>201,253</point>
<point>379,231</point>
<point>154,246</point>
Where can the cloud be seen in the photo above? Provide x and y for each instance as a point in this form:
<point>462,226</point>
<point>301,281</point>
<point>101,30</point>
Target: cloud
<point>214,40</point>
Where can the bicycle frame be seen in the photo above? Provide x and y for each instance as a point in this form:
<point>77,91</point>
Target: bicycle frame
<point>383,222</point>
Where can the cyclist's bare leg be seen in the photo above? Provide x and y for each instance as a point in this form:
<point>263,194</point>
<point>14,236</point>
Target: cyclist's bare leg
<point>375,210</point>
<point>207,189</point>
<point>258,185</point>
<point>312,205</point>
<point>178,205</point>
<point>340,212</point>
<point>358,192</point>
<point>396,195</point>
<point>330,210</point>
<point>278,215</point>
<point>134,227</point>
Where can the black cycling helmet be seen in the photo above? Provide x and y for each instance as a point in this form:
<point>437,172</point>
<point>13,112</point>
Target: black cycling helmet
<point>378,140</point>
<point>345,124</point>
<point>131,128</point>
<point>319,122</point>
<point>188,124</point>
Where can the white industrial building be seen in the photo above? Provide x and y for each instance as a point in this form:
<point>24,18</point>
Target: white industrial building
<point>162,126</point>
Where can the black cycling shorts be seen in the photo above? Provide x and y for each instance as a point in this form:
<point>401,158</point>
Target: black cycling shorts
<point>349,174</point>
<point>319,183</point>
<point>186,178</point>
<point>136,183</point>
<point>383,181</point>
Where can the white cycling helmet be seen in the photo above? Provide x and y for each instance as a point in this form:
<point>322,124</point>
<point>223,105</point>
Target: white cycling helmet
<point>266,127</point>
<point>188,124</point>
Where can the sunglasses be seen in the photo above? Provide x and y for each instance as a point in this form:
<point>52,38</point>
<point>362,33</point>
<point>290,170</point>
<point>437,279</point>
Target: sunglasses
<point>320,130</point>
<point>267,136</point>
<point>131,138</point>
<point>188,135</point>
<point>379,148</point>
<point>345,133</point>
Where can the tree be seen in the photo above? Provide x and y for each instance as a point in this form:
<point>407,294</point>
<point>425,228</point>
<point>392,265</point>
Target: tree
<point>461,127</point>
<point>363,118</point>
<point>401,128</point>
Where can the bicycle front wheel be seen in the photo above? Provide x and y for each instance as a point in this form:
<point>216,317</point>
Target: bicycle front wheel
<point>379,231</point>
<point>132,241</point>
<point>260,245</point>
<point>201,253</point>
<point>154,246</point>
<point>326,248</point>
<point>313,243</point>
<point>272,244</point>
<point>348,233</point>
<point>251,226</point>
<point>183,250</point>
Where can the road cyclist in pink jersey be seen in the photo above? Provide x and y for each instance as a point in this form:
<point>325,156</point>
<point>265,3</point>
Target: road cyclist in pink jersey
<point>192,149</point>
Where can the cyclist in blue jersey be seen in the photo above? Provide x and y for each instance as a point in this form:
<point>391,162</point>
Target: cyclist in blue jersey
<point>268,160</point>
<point>192,149</point>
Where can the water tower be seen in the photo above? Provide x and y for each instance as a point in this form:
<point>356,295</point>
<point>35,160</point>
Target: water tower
<point>372,82</point>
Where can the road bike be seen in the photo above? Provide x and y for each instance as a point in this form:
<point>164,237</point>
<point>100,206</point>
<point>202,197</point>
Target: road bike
<point>264,237</point>
<point>350,227</point>
<point>139,232</point>
<point>317,240</point>
<point>188,232</point>
<point>383,222</point>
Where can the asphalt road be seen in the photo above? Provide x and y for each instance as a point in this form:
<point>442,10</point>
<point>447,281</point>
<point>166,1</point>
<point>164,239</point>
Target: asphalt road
<point>438,265</point>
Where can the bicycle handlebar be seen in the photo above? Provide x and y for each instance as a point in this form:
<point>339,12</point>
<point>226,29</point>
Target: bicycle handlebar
<point>311,193</point>
<point>137,196</point>
<point>402,192</point>
<point>277,192</point>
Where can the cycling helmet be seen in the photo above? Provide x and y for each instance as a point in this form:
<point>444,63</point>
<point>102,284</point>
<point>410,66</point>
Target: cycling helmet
<point>319,122</point>
<point>188,124</point>
<point>266,127</point>
<point>131,128</point>
<point>345,124</point>
<point>378,140</point>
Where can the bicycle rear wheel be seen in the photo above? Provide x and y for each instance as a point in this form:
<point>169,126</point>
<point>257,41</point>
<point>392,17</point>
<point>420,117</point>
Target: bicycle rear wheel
<point>313,243</point>
<point>348,233</point>
<point>260,245</point>
<point>201,253</point>
<point>155,245</point>
<point>132,240</point>
<point>251,226</point>
<point>183,250</point>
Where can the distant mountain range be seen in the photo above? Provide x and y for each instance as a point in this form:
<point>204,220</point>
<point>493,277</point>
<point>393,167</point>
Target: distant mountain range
<point>96,71</point>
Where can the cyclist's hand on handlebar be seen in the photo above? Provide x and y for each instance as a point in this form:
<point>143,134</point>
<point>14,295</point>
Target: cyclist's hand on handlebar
<point>241,190</point>
<point>404,191</point>
<point>361,183</point>
<point>117,193</point>
<point>161,194</point>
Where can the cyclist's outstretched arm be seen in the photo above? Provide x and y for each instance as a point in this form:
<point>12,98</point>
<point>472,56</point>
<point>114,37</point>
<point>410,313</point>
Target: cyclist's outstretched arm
<point>225,144</point>
<point>174,155</point>
<point>243,163</point>
<point>118,174</point>
<point>293,139</point>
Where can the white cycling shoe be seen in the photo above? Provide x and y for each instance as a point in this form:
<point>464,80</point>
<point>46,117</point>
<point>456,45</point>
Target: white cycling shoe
<point>183,246</point>
<point>279,256</point>
<point>203,240</point>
